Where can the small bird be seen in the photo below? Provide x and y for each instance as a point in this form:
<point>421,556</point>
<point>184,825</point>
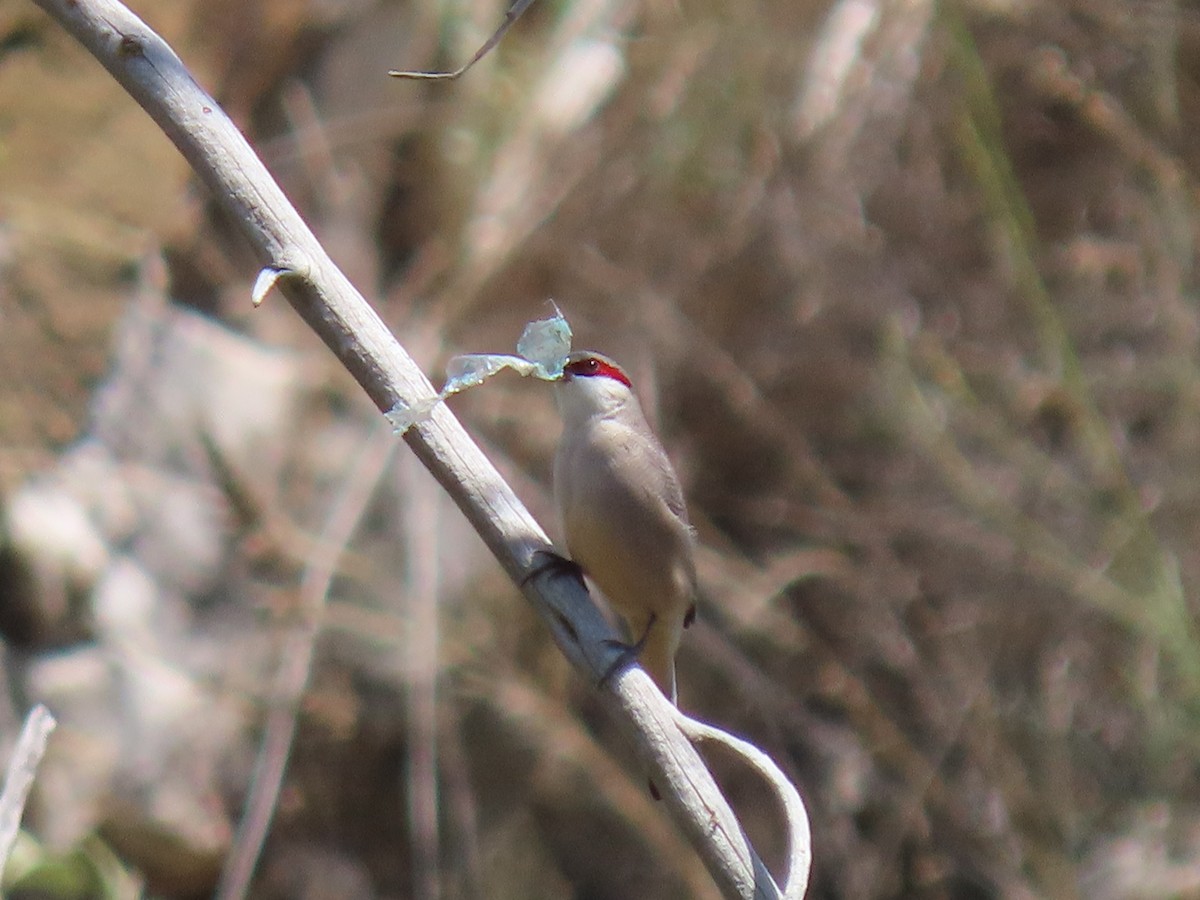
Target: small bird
<point>622,511</point>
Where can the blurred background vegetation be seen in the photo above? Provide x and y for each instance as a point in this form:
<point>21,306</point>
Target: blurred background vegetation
<point>910,290</point>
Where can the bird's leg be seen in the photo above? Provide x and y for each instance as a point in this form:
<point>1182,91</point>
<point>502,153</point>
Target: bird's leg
<point>629,652</point>
<point>545,561</point>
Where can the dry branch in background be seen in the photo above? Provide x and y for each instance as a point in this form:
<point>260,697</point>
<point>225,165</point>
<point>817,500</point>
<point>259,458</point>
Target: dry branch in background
<point>295,665</point>
<point>30,748</point>
<point>514,12</point>
<point>143,64</point>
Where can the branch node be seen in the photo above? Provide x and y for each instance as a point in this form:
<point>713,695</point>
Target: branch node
<point>130,46</point>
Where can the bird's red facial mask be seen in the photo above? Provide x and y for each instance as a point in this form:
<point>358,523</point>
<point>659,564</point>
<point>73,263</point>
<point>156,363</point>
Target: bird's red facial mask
<point>591,366</point>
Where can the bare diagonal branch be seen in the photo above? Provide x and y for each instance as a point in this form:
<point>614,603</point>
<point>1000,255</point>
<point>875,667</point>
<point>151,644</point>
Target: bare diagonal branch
<point>151,72</point>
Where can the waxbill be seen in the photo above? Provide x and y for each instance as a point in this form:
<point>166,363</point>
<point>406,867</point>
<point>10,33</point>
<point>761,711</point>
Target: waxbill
<point>622,511</point>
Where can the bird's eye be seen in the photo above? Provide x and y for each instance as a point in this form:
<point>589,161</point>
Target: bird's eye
<point>590,366</point>
<point>587,366</point>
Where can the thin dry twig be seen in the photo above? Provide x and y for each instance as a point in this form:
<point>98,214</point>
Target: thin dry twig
<point>294,260</point>
<point>422,509</point>
<point>510,17</point>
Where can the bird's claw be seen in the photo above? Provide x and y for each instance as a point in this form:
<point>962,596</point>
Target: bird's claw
<point>629,653</point>
<point>545,561</point>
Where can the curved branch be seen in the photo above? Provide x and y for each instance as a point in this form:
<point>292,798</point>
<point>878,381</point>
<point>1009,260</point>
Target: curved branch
<point>799,838</point>
<point>151,72</point>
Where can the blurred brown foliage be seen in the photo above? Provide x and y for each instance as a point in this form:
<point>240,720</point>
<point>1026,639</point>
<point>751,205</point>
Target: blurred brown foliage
<point>909,289</point>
